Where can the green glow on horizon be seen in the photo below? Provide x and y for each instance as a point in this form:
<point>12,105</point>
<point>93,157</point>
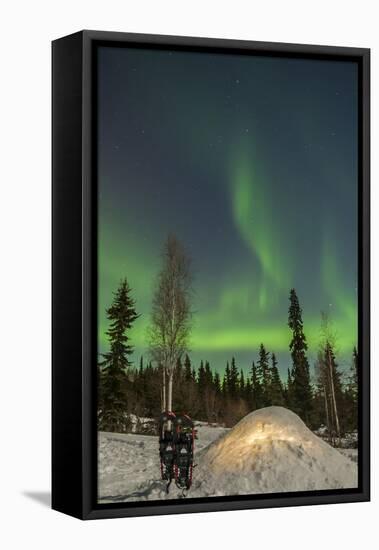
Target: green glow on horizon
<point>276,337</point>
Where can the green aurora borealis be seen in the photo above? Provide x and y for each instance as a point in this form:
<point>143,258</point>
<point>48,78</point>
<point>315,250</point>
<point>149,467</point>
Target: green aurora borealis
<point>252,163</point>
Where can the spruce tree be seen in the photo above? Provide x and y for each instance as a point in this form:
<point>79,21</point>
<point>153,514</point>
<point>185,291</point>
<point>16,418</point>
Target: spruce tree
<point>352,393</point>
<point>226,381</point>
<point>276,387</point>
<point>263,373</point>
<point>301,385</point>
<point>209,393</point>
<point>218,410</point>
<point>353,378</point>
<point>151,392</point>
<point>208,375</point>
<point>190,392</point>
<point>187,369</point>
<point>234,379</point>
<point>256,389</point>
<point>288,390</point>
<point>201,376</point>
<point>121,316</point>
<point>248,394</point>
<point>140,386</point>
<point>201,388</point>
<point>242,385</point>
<point>217,383</point>
<point>179,367</point>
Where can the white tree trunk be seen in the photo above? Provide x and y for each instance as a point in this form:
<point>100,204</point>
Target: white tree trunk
<point>169,397</point>
<point>327,413</point>
<point>164,390</point>
<point>334,398</point>
<point>169,391</point>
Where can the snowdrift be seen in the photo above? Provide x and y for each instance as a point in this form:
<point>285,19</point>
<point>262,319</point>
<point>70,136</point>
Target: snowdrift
<point>271,450</point>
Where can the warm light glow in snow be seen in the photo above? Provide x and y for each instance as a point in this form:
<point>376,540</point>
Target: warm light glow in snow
<point>265,432</point>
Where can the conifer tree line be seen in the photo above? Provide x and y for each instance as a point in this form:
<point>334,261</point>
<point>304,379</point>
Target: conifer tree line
<point>224,397</point>
<point>168,380</point>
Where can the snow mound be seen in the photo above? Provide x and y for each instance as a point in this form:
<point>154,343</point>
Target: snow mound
<point>271,450</point>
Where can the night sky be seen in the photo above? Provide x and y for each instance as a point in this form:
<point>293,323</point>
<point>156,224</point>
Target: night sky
<point>252,163</point>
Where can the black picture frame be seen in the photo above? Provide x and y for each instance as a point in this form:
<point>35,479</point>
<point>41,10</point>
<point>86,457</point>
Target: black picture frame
<point>75,283</point>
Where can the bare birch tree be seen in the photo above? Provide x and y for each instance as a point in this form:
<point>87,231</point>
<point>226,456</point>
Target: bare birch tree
<point>328,376</point>
<point>171,314</point>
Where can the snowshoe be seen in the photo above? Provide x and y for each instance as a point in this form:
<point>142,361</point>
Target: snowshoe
<point>167,446</point>
<point>184,447</point>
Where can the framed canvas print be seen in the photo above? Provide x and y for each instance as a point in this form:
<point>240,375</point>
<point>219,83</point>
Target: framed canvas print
<point>210,275</point>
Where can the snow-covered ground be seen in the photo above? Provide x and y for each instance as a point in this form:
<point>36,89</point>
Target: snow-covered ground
<point>350,453</point>
<point>268,451</point>
<point>129,464</point>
